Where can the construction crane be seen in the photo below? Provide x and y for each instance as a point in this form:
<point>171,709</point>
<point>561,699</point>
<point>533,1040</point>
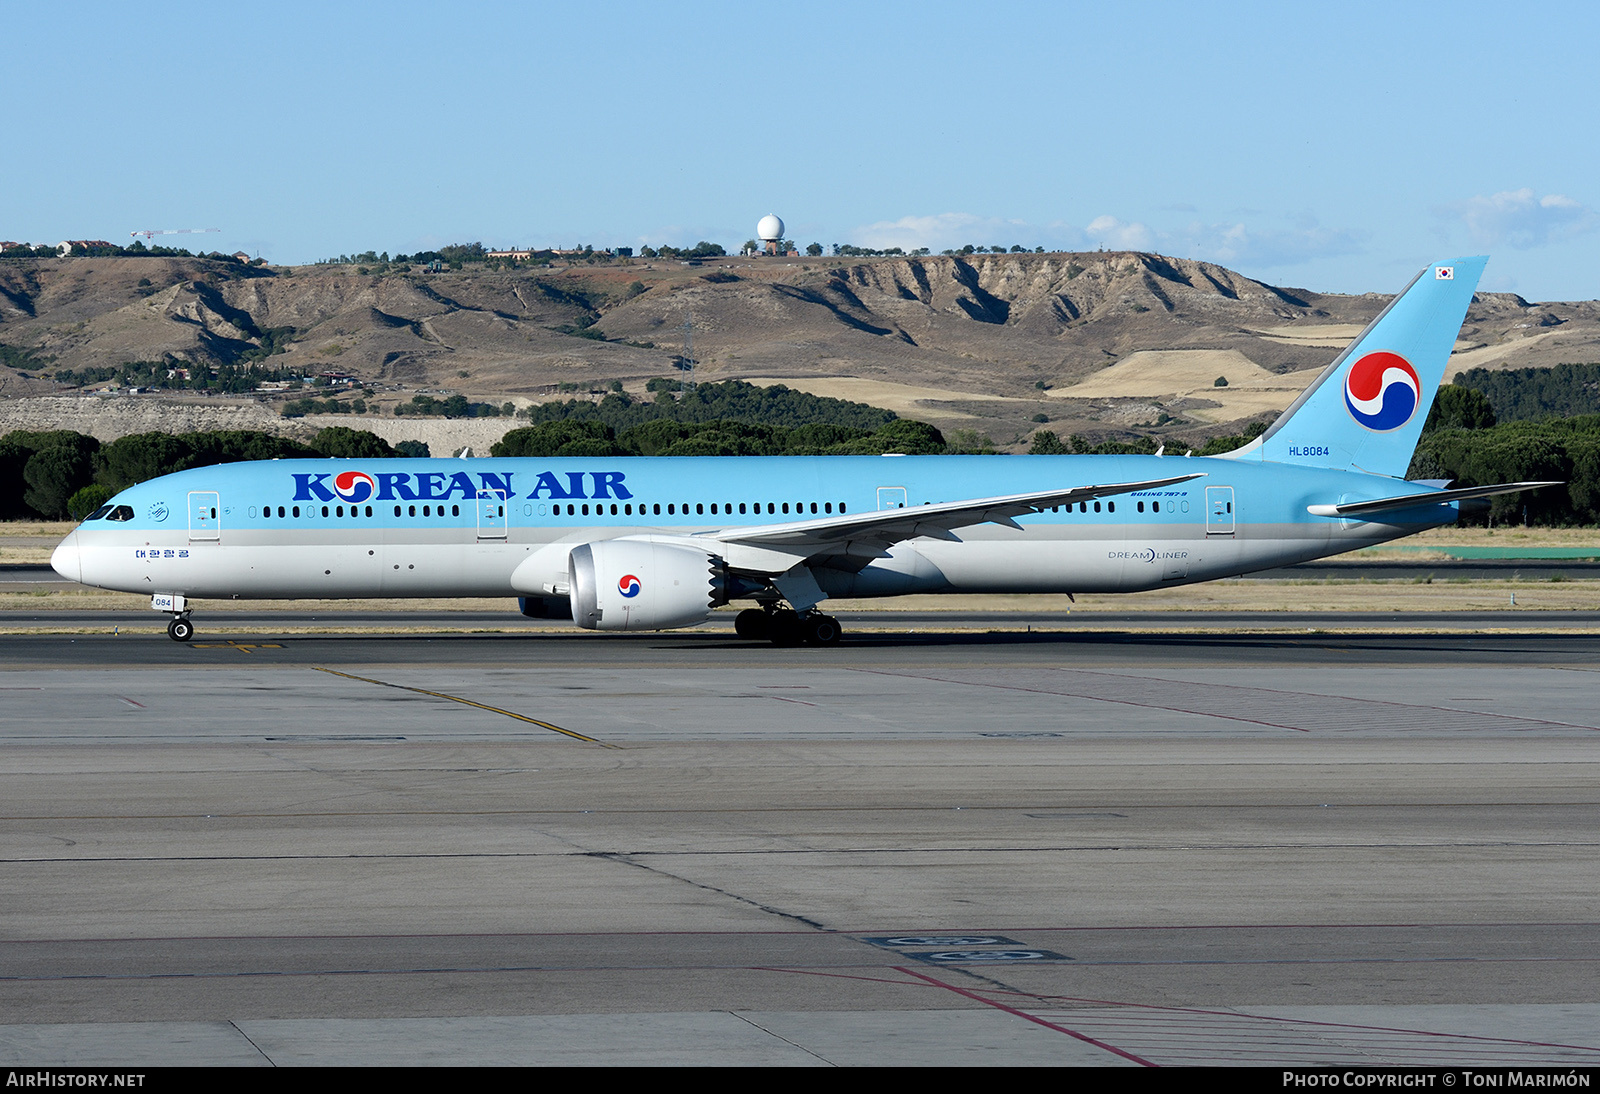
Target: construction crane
<point>151,233</point>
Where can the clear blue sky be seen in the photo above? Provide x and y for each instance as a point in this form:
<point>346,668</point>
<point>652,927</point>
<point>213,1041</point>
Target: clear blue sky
<point>1334,147</point>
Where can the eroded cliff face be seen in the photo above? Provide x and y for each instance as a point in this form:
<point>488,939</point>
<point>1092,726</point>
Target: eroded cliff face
<point>1049,297</point>
<point>1051,293</point>
<point>990,324</point>
<point>982,327</point>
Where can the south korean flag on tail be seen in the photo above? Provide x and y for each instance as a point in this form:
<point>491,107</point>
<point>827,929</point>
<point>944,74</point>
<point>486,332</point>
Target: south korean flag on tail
<point>1444,273</point>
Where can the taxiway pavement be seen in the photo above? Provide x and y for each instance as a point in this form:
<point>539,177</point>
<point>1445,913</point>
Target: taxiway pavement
<point>935,848</point>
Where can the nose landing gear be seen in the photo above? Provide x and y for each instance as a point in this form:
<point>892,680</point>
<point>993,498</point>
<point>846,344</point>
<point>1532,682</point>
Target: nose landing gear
<point>177,606</point>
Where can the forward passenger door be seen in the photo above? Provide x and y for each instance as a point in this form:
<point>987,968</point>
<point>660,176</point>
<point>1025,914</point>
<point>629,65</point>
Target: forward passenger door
<point>205,516</point>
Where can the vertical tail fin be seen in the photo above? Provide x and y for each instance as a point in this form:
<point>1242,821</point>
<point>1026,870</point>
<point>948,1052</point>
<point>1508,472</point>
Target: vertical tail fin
<point>1365,411</point>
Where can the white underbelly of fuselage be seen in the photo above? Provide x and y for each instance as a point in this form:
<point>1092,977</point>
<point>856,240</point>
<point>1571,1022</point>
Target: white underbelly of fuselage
<point>1041,558</point>
<point>234,568</point>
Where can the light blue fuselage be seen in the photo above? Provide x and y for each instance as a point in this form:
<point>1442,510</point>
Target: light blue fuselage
<point>457,528</point>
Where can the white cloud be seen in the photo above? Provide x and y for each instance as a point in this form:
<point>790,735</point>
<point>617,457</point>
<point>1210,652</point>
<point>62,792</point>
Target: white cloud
<point>1118,235</point>
<point>1518,219</point>
<point>1303,241</point>
<point>942,232</point>
<point>1264,247</point>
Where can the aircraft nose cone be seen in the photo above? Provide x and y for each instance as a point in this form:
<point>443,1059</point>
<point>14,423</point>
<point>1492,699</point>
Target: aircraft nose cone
<point>66,560</point>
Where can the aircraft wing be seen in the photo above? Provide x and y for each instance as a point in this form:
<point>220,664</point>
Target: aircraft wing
<point>870,534</point>
<point>1411,501</point>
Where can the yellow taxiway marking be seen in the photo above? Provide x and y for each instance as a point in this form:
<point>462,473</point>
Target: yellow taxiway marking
<point>467,702</point>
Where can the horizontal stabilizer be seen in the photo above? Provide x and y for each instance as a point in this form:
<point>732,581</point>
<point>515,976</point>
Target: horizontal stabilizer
<point>1411,501</point>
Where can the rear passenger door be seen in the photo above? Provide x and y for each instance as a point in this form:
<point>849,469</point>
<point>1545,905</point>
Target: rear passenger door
<point>1219,511</point>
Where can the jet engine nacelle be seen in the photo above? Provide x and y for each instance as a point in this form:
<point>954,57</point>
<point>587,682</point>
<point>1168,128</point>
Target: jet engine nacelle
<point>637,585</point>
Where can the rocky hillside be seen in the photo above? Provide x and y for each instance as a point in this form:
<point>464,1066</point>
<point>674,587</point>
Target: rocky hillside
<point>993,342</point>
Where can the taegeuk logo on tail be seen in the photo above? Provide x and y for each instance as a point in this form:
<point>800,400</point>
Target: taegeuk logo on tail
<point>1381,391</point>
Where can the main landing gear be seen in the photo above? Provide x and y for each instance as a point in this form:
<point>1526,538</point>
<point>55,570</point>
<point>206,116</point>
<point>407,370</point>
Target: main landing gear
<point>180,629</point>
<point>784,627</point>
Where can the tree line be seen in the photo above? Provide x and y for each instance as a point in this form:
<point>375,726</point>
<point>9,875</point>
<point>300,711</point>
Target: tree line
<point>1463,441</point>
<point>1528,394</point>
<point>60,473</point>
<point>732,400</point>
<point>138,249</point>
<point>667,437</point>
<point>237,377</point>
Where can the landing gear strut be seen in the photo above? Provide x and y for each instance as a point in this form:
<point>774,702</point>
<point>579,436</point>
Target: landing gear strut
<point>180,629</point>
<point>784,627</point>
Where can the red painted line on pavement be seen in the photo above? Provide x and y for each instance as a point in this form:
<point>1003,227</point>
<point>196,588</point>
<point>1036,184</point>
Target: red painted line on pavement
<point>1032,1018</point>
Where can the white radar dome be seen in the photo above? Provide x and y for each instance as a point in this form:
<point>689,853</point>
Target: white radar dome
<point>770,228</point>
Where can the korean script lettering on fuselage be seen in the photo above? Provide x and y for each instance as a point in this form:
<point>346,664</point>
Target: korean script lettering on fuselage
<point>359,486</point>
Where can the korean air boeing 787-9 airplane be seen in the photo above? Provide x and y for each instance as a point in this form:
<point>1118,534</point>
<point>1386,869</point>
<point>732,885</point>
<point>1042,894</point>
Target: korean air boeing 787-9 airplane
<point>621,544</point>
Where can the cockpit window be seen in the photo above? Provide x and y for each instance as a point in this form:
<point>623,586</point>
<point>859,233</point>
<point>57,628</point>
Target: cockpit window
<point>98,513</point>
<point>121,512</point>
